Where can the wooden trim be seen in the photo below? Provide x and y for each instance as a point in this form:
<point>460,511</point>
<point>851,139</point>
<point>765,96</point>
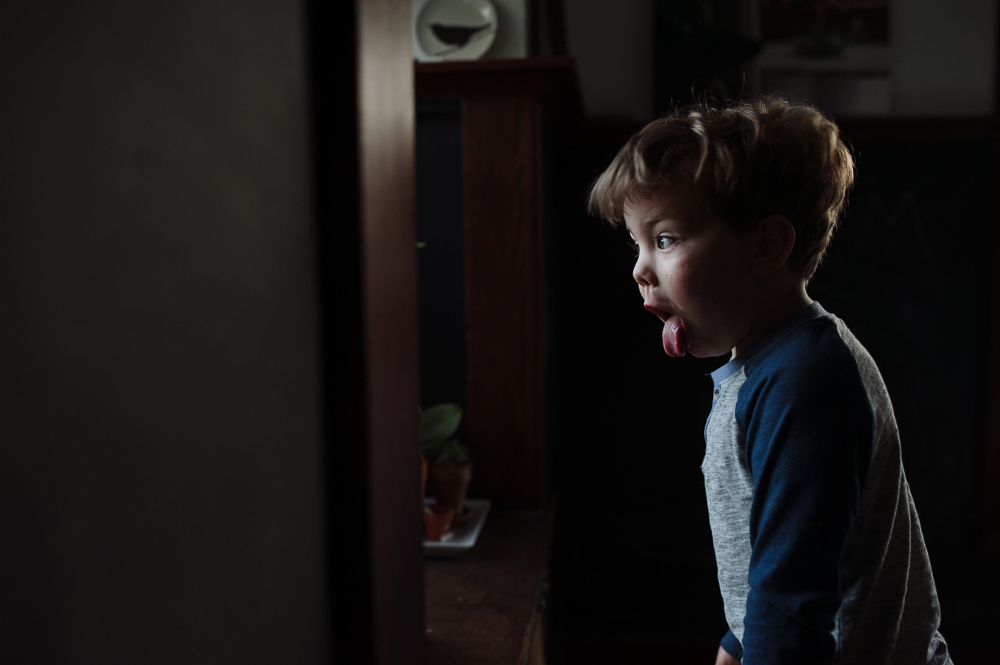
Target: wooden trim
<point>551,79</point>
<point>386,111</point>
<point>363,108</point>
<point>503,277</point>
<point>487,66</point>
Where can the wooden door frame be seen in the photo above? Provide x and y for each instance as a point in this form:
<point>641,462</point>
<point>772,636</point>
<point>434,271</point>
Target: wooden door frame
<point>363,119</point>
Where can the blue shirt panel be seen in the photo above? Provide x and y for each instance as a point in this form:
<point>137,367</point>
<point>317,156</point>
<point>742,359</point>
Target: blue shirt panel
<point>809,426</point>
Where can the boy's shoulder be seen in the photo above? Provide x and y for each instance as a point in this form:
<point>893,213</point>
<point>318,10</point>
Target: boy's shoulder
<point>812,396</point>
<point>817,364</point>
<point>815,345</point>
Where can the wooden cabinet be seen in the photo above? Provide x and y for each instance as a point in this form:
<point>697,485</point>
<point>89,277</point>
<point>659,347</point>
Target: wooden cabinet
<point>507,106</point>
<point>488,606</point>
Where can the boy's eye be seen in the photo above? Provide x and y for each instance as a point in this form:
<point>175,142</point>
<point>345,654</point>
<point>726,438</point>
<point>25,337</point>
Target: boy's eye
<point>663,242</point>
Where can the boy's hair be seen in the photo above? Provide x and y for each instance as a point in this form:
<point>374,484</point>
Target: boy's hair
<point>743,162</point>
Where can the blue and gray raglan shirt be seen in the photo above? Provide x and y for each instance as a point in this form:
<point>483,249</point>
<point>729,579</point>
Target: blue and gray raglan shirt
<point>819,550</point>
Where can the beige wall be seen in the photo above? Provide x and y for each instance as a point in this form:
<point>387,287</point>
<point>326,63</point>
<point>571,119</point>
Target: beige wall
<point>613,46</point>
<point>943,56</point>
<point>160,496</point>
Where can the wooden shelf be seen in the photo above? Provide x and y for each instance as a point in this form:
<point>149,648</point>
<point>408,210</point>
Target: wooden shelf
<point>484,607</point>
<point>550,79</point>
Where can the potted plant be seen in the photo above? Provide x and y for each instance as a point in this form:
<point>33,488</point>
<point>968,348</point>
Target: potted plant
<point>449,464</point>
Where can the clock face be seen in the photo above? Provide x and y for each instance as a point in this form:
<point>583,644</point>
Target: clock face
<point>455,29</point>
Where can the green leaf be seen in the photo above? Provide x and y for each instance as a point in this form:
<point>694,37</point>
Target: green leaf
<point>439,423</point>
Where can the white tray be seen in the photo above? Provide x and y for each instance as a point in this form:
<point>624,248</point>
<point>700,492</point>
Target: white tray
<point>460,538</point>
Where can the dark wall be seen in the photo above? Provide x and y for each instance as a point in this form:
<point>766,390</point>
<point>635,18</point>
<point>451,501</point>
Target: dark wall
<point>910,272</point>
<point>632,552</point>
<point>158,364</point>
<point>440,227</point>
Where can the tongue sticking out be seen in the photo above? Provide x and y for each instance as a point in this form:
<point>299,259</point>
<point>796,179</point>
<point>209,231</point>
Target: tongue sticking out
<point>676,340</point>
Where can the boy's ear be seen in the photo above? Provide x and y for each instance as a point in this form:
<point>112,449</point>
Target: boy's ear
<point>775,238</point>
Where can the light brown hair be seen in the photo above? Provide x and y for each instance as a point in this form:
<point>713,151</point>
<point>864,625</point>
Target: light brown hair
<point>743,162</point>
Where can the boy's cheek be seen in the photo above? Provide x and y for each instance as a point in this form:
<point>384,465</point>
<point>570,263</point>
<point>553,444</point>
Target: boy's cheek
<point>702,291</point>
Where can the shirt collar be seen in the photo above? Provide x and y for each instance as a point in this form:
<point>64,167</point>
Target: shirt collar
<point>807,313</point>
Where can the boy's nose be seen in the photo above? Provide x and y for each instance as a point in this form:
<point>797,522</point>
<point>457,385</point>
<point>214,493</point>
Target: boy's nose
<point>642,272</point>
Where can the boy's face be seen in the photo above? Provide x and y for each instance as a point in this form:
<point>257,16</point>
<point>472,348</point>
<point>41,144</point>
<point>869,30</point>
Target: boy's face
<point>694,273</point>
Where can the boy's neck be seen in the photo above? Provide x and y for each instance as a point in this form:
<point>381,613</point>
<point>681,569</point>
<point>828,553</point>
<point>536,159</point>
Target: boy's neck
<point>789,301</point>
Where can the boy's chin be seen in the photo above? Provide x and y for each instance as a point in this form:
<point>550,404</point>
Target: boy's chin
<point>699,352</point>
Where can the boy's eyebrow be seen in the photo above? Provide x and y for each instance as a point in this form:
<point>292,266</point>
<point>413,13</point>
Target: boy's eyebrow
<point>644,224</point>
<point>653,220</point>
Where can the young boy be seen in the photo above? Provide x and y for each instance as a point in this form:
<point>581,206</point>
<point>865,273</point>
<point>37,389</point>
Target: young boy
<point>819,550</point>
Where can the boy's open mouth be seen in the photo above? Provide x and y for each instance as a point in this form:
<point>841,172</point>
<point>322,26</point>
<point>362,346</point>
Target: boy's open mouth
<point>676,340</point>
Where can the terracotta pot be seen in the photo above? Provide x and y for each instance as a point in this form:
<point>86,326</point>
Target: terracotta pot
<point>451,484</point>
<point>437,521</point>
